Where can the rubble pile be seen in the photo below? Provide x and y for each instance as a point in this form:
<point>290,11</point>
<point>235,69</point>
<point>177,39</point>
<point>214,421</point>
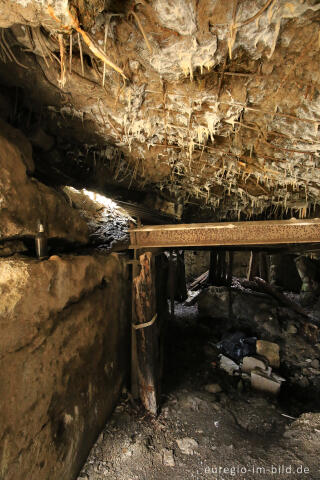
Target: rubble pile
<point>252,360</point>
<point>108,223</point>
<point>268,338</point>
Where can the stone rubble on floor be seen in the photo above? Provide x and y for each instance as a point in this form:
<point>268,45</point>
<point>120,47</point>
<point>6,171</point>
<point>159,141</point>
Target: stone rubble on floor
<point>213,388</point>
<point>187,445</point>
<point>168,458</point>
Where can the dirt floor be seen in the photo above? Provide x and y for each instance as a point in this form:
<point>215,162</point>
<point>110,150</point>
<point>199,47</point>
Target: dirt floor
<point>232,433</point>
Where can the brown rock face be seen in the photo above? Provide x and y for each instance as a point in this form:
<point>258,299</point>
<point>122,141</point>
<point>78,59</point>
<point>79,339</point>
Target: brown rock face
<point>63,358</point>
<point>25,201</point>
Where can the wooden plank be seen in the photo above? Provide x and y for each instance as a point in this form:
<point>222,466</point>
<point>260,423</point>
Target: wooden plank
<point>272,232</point>
<point>199,281</point>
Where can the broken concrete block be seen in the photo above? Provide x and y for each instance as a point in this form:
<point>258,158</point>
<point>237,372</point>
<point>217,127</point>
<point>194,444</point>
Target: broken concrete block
<point>214,302</point>
<point>269,350</point>
<point>250,363</point>
<point>260,380</point>
<point>228,365</point>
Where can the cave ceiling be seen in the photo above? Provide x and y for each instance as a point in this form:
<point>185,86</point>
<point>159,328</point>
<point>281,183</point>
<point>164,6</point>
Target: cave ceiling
<point>208,107</point>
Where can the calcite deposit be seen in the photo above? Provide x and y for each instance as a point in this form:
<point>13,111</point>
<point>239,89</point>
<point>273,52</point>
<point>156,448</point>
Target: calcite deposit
<point>209,103</point>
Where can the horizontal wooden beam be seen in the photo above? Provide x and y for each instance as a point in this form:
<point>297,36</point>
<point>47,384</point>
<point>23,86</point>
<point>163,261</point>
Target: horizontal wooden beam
<point>273,232</point>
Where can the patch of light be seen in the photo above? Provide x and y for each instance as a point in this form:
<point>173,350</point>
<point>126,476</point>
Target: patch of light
<point>109,206</point>
<point>96,197</point>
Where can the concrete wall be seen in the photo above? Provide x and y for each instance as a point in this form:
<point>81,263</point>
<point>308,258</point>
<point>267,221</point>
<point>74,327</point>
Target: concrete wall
<point>64,348</point>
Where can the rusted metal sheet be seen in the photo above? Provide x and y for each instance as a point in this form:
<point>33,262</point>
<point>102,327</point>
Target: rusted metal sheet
<point>223,234</point>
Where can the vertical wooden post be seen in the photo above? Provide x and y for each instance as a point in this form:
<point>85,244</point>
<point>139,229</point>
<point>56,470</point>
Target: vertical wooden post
<point>253,267</point>
<point>263,270</point>
<point>134,360</point>
<point>229,267</point>
<point>147,333</point>
<point>220,264</point>
<point>250,265</point>
<point>180,277</point>
<point>213,267</point>
<point>222,268</point>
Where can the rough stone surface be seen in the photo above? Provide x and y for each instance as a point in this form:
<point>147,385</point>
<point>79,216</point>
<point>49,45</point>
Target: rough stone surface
<point>196,262</point>
<point>64,344</point>
<point>11,247</point>
<point>253,308</point>
<point>24,201</point>
<point>187,445</point>
<point>16,137</point>
<point>168,458</point>
<point>291,329</point>
<point>213,388</point>
<point>253,305</point>
<point>214,302</point>
<point>269,350</point>
<point>308,271</point>
<point>283,272</point>
<point>240,263</point>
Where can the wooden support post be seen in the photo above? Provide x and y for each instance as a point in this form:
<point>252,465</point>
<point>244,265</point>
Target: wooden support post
<point>213,267</point>
<point>219,267</point>
<point>229,267</point>
<point>180,278</point>
<point>253,267</point>
<point>134,361</point>
<point>263,270</point>
<point>147,340</point>
<point>222,268</point>
<point>250,265</point>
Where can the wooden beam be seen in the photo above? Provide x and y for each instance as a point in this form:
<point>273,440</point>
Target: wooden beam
<point>272,232</point>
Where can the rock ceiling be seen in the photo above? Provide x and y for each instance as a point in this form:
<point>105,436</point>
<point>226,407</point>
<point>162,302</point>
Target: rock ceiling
<point>205,103</point>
